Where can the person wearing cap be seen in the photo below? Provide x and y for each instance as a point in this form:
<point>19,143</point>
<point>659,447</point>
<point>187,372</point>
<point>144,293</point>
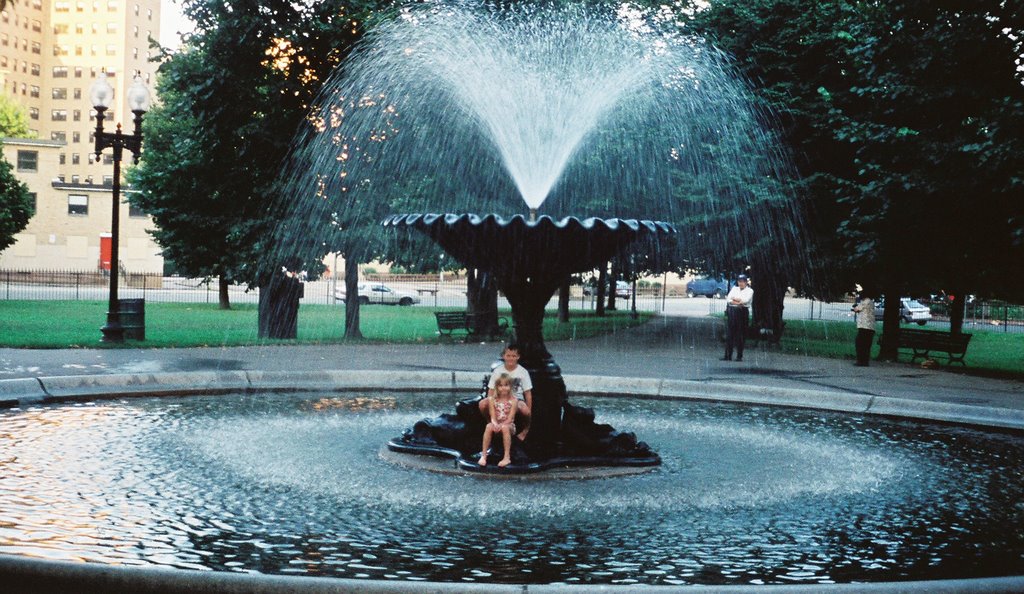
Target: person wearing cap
<point>864,309</point>
<point>737,316</point>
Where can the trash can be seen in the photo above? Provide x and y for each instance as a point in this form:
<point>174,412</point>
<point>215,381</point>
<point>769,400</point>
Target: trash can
<point>132,313</point>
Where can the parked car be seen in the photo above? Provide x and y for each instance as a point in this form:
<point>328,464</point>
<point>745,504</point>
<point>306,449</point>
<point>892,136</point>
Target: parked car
<point>911,310</point>
<point>622,289</point>
<point>708,287</point>
<point>379,293</point>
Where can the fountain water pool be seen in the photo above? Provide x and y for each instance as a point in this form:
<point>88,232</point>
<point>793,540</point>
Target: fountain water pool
<point>293,484</point>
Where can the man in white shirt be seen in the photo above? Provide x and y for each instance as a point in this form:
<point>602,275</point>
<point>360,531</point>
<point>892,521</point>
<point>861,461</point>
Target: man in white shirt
<point>865,310</point>
<point>737,316</point>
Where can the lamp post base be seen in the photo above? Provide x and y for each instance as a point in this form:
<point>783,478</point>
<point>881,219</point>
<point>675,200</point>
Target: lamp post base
<point>112,331</point>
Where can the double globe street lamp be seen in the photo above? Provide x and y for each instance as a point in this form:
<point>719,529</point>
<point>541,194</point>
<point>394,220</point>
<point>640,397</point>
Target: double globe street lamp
<point>102,95</point>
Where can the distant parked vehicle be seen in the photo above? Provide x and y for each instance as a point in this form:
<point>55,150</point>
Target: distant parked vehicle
<point>708,287</point>
<point>379,293</point>
<point>911,310</point>
<point>622,289</point>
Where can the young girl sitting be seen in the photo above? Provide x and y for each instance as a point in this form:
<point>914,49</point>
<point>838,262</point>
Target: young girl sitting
<point>503,406</point>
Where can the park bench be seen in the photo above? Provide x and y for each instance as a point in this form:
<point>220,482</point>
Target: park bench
<point>922,342</point>
<point>460,321</point>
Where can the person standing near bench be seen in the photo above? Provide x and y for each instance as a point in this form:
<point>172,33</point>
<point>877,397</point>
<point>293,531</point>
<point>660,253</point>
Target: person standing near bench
<point>864,308</point>
<point>737,316</point>
<point>522,387</point>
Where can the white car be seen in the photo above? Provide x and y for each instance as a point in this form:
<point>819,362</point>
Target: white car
<point>379,293</point>
<point>911,310</point>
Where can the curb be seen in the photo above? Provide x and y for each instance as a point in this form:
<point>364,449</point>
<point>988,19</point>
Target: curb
<point>19,393</point>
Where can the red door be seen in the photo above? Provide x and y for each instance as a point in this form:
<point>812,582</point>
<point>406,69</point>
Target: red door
<point>105,251</point>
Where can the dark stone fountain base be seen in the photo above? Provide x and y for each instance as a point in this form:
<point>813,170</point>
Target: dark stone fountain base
<point>582,442</point>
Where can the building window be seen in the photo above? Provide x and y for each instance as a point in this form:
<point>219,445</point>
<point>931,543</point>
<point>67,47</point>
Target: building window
<point>135,53</point>
<point>24,89</point>
<point>58,115</point>
<point>135,211</point>
<point>3,61</point>
<point>60,93</point>
<point>61,50</point>
<point>60,72</point>
<point>37,26</point>
<point>75,159</point>
<point>108,180</point>
<point>112,6</point>
<point>32,198</point>
<point>76,137</point>
<point>78,74</point>
<point>62,7</point>
<point>76,116</point>
<point>92,158</point>
<point>80,6</point>
<point>28,161</point>
<point>60,28</point>
<point>33,113</point>
<point>63,159</point>
<point>135,30</point>
<point>79,50</point>
<point>36,69</point>
<point>111,27</point>
<point>4,39</point>
<point>37,48</point>
<point>74,179</point>
<point>78,204</point>
<point>34,91</point>
<point>111,50</point>
<point>59,136</point>
<point>79,28</point>
<point>77,94</point>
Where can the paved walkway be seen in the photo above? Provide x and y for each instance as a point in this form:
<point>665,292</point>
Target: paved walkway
<point>675,348</point>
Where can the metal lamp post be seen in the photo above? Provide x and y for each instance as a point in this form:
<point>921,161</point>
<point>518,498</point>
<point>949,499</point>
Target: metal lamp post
<point>102,94</point>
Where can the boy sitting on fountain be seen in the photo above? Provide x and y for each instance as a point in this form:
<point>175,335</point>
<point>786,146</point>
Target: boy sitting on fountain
<point>522,387</point>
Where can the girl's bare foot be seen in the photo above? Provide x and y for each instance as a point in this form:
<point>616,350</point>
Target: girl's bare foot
<point>482,461</point>
<point>521,436</point>
<point>504,463</point>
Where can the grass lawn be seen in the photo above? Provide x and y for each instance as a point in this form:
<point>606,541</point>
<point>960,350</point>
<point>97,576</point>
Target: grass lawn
<point>998,354</point>
<point>73,324</point>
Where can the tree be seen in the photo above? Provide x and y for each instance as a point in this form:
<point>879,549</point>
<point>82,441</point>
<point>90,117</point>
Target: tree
<point>14,122</point>
<point>16,206</point>
<point>233,99</point>
<point>899,115</point>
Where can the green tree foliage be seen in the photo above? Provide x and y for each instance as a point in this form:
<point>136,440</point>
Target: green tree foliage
<point>13,118</point>
<point>233,98</point>
<point>15,205</point>
<point>902,116</point>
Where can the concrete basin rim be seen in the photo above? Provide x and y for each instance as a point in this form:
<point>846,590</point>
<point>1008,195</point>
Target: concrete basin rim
<point>16,393</point>
<point>56,389</point>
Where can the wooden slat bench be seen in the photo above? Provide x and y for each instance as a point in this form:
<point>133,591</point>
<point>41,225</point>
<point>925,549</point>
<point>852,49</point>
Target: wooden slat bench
<point>922,342</point>
<point>460,321</point>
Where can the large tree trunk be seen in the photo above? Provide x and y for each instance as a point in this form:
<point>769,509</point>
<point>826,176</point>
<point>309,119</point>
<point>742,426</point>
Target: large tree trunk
<point>957,309</point>
<point>278,311</point>
<point>352,304</point>
<point>613,280</point>
<point>563,301</point>
<point>602,282</point>
<point>889,347</point>
<point>482,302</point>
<point>222,292</point>
<point>768,304</point>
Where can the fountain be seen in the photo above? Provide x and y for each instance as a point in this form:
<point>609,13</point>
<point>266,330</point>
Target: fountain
<point>574,111</point>
<point>529,260</point>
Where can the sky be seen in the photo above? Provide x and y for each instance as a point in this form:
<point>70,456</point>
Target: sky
<point>171,22</point>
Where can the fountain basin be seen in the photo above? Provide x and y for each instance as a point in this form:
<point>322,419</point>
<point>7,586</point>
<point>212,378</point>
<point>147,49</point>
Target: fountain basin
<point>284,454</point>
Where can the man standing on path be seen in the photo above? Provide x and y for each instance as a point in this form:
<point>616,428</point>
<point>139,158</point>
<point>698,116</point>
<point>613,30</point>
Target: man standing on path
<point>865,310</point>
<point>737,316</point>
